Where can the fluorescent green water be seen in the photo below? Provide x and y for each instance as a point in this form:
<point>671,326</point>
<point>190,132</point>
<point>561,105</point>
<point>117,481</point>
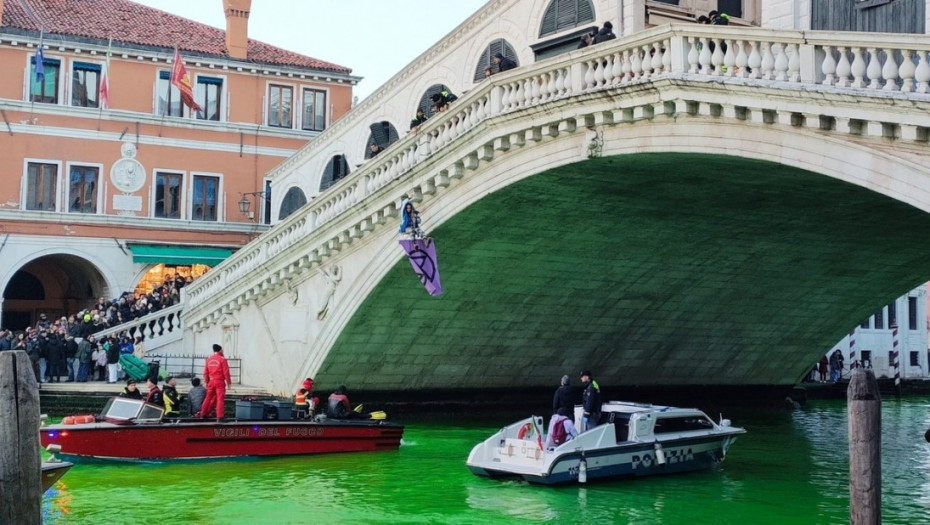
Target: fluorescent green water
<point>791,468</point>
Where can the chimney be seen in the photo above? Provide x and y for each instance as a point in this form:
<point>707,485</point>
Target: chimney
<point>237,27</point>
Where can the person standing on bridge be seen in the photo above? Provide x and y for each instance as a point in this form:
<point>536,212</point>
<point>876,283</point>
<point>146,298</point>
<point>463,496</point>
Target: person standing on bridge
<point>590,401</point>
<point>216,375</point>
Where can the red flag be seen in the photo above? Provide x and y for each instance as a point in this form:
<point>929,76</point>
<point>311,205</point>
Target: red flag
<point>181,80</point>
<point>104,96</point>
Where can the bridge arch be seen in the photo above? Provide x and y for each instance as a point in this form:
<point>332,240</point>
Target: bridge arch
<point>69,281</point>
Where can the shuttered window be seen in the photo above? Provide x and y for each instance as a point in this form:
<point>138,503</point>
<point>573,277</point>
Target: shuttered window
<point>498,46</point>
<point>382,135</point>
<point>336,169</point>
<point>293,200</point>
<point>566,14</point>
<point>426,103</point>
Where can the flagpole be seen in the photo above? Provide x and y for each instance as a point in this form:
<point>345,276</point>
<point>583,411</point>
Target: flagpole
<point>104,85</point>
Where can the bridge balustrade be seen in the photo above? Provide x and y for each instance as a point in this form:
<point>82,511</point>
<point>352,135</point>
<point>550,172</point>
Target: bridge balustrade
<point>859,64</point>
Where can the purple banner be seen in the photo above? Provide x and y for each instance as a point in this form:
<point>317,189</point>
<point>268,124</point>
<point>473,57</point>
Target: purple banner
<point>422,256</point>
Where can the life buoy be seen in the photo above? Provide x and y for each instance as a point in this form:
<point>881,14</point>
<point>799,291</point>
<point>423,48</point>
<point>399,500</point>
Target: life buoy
<point>525,431</point>
<point>78,420</point>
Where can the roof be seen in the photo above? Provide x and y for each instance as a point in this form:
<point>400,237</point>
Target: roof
<point>131,23</point>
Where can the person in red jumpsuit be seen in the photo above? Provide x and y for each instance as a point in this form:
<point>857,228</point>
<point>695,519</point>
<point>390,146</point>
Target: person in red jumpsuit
<point>216,376</point>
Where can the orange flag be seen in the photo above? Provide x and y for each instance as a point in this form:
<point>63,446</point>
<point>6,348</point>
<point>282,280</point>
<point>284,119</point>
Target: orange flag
<point>181,80</point>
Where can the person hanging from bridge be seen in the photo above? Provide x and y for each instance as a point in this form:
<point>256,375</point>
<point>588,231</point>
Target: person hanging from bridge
<point>216,375</point>
<point>410,220</point>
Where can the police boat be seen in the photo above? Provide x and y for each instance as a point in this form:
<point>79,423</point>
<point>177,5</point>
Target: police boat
<point>632,440</point>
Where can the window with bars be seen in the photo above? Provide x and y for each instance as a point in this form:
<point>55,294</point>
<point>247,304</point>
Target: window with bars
<point>85,84</point>
<point>82,189</point>
<point>209,95</point>
<point>167,97</point>
<point>382,135</point>
<point>168,195</point>
<point>336,169</point>
<point>497,46</point>
<point>47,90</point>
<point>41,186</point>
<point>204,198</point>
<point>293,200</point>
<point>566,14</point>
<point>280,101</point>
<point>314,110</point>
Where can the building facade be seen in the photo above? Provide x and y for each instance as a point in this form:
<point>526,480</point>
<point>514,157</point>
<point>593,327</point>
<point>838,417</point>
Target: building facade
<point>100,198</point>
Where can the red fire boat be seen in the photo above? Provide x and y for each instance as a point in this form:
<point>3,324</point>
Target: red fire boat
<point>132,430</point>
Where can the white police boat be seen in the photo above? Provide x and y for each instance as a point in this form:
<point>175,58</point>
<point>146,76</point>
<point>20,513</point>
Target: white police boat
<point>632,440</point>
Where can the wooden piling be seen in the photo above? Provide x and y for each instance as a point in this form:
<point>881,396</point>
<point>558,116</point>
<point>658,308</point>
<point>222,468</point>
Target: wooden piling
<point>20,457</point>
<point>865,444</point>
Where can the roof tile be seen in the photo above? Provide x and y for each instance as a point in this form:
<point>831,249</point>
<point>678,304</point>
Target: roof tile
<point>131,23</point>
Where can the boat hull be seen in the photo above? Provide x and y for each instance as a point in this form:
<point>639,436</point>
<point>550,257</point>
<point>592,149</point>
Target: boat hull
<point>625,460</point>
<point>197,440</point>
<point>52,471</point>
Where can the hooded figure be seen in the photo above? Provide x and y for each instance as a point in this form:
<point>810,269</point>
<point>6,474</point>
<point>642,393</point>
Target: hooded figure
<point>503,63</point>
<point>409,218</point>
<point>606,33</point>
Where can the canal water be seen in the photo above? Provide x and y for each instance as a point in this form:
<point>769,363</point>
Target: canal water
<point>791,468</point>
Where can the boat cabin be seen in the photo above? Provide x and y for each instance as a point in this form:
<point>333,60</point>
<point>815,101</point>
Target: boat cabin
<point>644,422</point>
<point>124,410</point>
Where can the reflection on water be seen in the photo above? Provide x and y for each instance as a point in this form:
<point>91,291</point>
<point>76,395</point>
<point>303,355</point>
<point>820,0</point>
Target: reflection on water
<point>792,467</point>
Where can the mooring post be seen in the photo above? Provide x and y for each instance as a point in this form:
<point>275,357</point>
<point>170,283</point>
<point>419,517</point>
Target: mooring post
<point>20,458</point>
<point>865,444</point>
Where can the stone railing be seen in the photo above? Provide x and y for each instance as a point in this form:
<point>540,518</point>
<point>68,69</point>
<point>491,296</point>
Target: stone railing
<point>857,64</point>
<point>157,329</point>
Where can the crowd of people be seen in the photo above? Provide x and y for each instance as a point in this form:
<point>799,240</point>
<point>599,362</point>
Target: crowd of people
<point>66,348</point>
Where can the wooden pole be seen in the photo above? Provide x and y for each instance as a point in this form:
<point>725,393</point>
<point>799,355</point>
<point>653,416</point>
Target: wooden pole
<point>20,458</point>
<point>865,444</point>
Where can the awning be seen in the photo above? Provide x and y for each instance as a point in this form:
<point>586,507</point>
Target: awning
<point>177,254</point>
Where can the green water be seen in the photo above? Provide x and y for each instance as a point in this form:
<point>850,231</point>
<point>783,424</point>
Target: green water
<point>790,468</point>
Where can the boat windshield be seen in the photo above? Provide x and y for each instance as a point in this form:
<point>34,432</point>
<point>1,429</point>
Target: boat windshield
<point>124,409</point>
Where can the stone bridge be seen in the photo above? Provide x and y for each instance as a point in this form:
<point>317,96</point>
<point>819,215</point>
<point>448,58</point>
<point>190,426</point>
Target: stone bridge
<point>646,208</point>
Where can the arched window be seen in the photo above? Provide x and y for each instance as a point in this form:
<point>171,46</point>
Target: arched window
<point>566,14</point>
<point>293,200</point>
<point>382,135</point>
<point>497,46</point>
<point>425,102</point>
<point>336,169</point>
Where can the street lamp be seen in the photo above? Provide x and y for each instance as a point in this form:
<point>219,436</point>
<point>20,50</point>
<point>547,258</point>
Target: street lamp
<point>245,203</point>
